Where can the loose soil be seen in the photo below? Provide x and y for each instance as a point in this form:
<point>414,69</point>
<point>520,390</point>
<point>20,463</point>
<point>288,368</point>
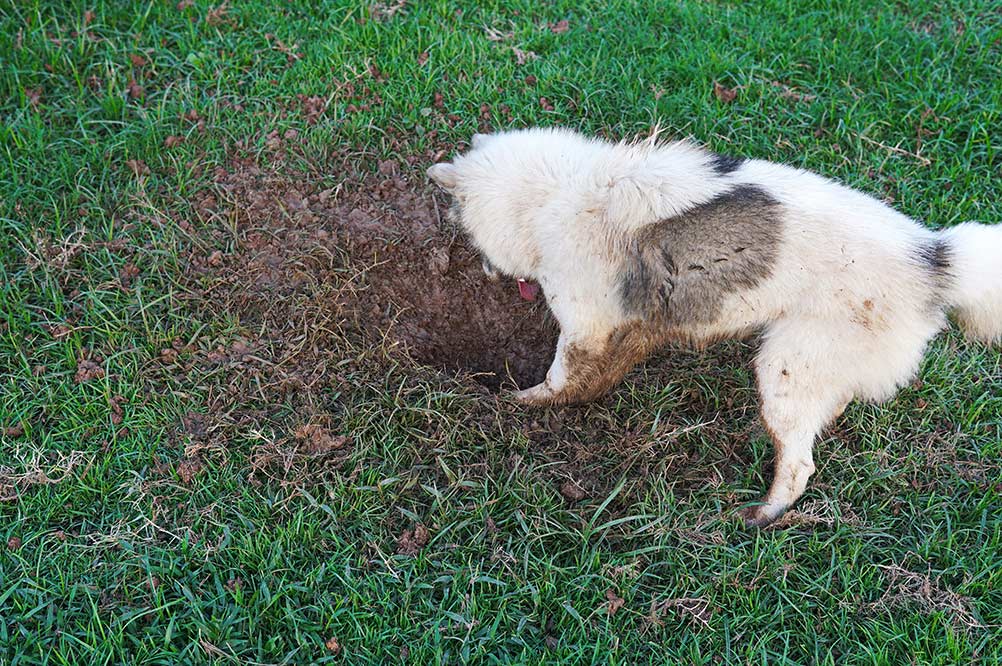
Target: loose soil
<point>317,282</point>
<point>407,279</point>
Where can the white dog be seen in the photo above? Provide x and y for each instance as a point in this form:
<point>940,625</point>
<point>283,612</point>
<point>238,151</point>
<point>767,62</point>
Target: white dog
<point>636,245</point>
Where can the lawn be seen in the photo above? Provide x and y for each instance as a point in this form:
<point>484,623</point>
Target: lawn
<point>216,448</point>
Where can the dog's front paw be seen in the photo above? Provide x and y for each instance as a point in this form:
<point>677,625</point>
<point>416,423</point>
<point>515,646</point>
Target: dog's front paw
<point>539,395</point>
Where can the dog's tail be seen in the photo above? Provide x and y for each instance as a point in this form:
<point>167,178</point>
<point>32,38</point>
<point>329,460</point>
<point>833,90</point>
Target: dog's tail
<point>971,255</point>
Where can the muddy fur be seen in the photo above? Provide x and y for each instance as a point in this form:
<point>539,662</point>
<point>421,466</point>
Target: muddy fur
<point>638,244</point>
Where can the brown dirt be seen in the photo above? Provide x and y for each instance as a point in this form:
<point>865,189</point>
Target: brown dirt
<point>407,278</point>
<point>412,541</point>
<point>317,282</point>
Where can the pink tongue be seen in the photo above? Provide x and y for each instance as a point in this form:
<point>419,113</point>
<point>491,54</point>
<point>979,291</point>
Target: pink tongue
<point>528,290</point>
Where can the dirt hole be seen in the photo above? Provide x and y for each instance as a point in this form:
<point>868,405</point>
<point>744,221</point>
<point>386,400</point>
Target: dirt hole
<point>436,300</point>
<point>373,255</point>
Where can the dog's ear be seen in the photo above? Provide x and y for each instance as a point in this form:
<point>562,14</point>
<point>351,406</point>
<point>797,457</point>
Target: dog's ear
<point>478,140</point>
<point>444,174</point>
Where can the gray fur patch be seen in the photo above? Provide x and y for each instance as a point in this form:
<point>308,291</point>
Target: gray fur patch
<point>679,270</point>
<point>935,255</point>
<point>725,164</point>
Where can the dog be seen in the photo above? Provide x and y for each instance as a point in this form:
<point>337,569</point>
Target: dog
<point>640,244</point>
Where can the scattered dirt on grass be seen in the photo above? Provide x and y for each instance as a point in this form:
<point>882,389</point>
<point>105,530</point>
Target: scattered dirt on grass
<point>334,280</point>
<point>88,370</point>
<point>412,541</point>
<point>405,278</point>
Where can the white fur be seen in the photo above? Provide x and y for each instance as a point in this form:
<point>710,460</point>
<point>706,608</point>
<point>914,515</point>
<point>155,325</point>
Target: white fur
<point>847,312</point>
<point>976,295</point>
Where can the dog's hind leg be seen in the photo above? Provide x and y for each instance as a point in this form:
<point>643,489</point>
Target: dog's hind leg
<point>802,387</point>
<point>809,370</point>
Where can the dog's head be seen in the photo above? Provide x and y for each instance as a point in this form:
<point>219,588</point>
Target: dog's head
<point>488,202</point>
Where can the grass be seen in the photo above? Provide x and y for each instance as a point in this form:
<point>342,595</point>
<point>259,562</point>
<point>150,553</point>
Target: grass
<point>118,553</point>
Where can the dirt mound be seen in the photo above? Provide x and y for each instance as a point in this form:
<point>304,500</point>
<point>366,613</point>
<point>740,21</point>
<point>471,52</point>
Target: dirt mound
<point>373,258</point>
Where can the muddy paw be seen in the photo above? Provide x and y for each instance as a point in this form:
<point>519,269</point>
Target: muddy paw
<point>759,515</point>
<point>538,396</point>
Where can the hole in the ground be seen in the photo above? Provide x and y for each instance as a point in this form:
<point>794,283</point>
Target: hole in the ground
<point>378,255</point>
<point>437,301</point>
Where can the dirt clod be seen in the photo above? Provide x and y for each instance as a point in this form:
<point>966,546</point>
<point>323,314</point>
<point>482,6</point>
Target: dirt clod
<point>572,491</point>
<point>15,430</point>
<point>134,89</point>
<point>412,541</point>
<point>117,412</point>
<point>316,439</point>
<point>88,370</point>
<point>724,94</point>
<point>128,273</point>
<point>189,469</point>
<point>138,167</point>
<point>34,97</point>
<point>613,602</point>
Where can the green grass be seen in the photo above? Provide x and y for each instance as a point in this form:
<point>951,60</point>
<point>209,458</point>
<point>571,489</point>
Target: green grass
<point>113,557</point>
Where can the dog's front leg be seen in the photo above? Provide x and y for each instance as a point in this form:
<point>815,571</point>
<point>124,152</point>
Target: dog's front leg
<point>586,366</point>
<point>556,382</point>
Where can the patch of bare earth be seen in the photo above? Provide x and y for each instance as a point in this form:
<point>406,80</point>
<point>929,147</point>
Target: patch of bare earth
<point>339,273</point>
<point>372,258</point>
